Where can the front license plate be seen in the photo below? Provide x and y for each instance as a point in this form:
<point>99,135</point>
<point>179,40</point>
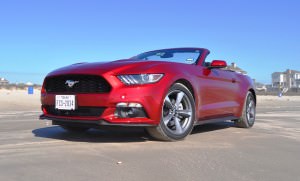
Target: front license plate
<point>65,102</point>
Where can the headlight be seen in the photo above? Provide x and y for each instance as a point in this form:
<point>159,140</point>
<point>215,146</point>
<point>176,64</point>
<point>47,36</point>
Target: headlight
<point>140,78</point>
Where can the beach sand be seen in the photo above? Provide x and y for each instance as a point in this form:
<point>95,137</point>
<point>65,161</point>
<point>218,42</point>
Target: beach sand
<point>33,149</point>
<point>266,99</point>
<point>20,100</point>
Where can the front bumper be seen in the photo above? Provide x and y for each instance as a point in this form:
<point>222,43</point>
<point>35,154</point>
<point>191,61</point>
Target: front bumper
<point>88,123</point>
<point>149,96</point>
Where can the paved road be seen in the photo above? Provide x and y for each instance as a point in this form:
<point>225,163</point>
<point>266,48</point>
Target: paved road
<point>31,150</point>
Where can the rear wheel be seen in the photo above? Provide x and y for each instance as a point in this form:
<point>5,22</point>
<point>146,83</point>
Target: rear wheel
<point>249,111</point>
<point>178,115</point>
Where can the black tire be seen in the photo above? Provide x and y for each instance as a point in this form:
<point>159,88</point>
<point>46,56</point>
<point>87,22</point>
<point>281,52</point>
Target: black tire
<point>178,115</point>
<point>249,111</point>
<point>75,129</point>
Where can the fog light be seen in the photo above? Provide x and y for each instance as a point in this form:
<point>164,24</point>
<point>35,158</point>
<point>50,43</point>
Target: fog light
<point>130,110</point>
<point>129,104</point>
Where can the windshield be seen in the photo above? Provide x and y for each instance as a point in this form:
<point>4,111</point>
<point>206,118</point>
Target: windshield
<point>187,56</point>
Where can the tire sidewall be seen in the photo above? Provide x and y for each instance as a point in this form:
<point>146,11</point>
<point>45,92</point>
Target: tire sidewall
<point>245,119</point>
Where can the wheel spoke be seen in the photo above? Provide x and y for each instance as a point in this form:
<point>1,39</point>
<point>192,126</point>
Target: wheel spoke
<point>167,118</point>
<point>168,102</point>
<point>251,111</point>
<point>178,126</point>
<point>179,99</point>
<point>248,110</point>
<point>184,113</point>
<point>250,104</point>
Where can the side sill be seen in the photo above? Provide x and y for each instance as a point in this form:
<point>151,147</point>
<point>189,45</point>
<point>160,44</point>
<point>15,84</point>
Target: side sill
<point>214,120</point>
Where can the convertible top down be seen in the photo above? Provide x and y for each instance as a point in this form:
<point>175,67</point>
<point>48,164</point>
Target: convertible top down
<point>166,91</point>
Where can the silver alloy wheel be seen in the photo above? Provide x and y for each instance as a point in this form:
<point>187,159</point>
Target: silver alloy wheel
<point>250,111</point>
<point>247,118</point>
<point>177,112</point>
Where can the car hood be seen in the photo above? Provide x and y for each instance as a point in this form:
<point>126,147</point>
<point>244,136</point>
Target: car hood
<point>116,67</point>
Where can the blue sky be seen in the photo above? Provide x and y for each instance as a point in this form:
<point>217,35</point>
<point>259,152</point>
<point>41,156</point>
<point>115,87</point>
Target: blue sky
<point>39,36</point>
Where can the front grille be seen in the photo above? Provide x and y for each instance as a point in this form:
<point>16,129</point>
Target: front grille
<point>80,111</point>
<point>83,84</point>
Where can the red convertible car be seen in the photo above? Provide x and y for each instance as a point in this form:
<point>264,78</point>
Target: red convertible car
<point>166,91</point>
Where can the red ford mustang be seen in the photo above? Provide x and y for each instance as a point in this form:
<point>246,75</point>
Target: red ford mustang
<point>166,91</point>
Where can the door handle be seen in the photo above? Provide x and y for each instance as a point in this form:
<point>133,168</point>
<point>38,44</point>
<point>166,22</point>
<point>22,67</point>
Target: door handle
<point>233,80</point>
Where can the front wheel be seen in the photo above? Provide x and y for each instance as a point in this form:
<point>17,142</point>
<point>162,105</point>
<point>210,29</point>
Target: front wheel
<point>178,115</point>
<point>249,111</point>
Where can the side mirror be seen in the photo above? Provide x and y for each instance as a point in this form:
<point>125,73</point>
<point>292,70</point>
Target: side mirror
<point>218,64</point>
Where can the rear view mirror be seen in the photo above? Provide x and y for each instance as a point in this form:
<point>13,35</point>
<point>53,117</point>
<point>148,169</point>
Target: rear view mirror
<point>167,55</point>
<point>218,64</point>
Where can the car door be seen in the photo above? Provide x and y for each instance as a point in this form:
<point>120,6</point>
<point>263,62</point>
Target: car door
<point>218,90</point>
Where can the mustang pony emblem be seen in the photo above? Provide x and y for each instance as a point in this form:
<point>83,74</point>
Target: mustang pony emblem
<point>71,83</point>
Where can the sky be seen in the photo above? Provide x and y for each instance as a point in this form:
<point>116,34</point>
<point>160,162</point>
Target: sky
<point>37,36</point>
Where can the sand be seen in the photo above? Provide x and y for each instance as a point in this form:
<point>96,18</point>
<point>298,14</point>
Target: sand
<point>20,100</point>
<point>276,98</point>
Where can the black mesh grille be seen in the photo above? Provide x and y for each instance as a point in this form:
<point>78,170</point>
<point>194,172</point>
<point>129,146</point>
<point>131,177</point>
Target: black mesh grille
<point>84,84</point>
<point>80,111</point>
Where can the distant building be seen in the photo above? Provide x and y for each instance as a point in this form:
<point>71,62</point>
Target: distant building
<point>29,84</point>
<point>235,68</point>
<point>288,79</point>
<point>3,81</point>
<point>259,86</point>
